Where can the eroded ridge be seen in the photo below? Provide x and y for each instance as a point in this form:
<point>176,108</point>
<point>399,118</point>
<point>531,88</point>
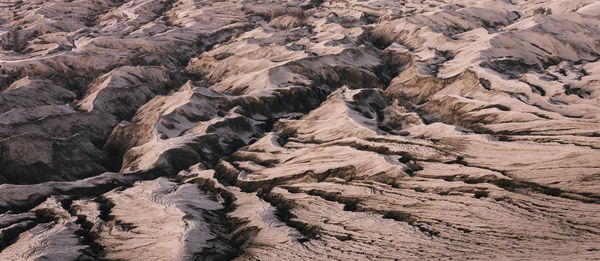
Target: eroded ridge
<point>270,130</point>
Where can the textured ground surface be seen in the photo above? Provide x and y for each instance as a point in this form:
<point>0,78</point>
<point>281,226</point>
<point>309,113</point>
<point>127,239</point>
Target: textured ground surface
<point>299,130</point>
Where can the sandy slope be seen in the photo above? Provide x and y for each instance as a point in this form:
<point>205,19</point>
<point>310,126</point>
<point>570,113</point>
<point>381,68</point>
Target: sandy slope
<point>294,130</point>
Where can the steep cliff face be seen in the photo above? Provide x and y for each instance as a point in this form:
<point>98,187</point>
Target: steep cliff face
<point>268,130</point>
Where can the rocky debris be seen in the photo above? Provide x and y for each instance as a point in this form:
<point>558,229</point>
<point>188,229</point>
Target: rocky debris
<point>257,130</point>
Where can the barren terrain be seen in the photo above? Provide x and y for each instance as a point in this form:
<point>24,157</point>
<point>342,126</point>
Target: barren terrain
<point>299,130</point>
